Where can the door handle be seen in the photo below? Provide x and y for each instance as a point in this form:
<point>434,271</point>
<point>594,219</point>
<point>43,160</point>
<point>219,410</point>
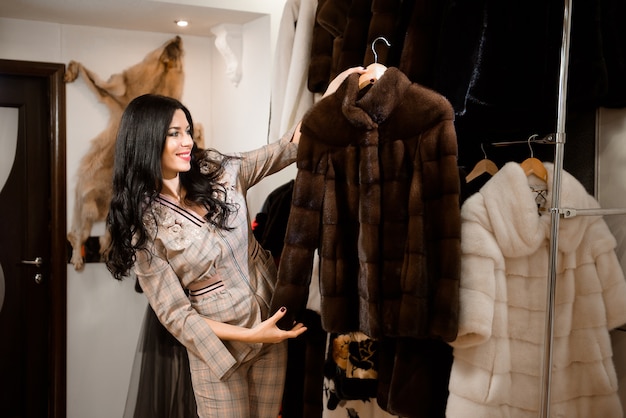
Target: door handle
<point>37,262</point>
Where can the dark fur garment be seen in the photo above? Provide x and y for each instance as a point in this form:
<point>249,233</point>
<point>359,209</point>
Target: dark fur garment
<point>377,194</point>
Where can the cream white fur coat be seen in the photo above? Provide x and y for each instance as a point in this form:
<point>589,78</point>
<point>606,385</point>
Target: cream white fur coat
<point>498,354</point>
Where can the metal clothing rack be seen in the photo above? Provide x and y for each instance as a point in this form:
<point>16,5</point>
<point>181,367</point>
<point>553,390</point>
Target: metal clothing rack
<point>556,212</point>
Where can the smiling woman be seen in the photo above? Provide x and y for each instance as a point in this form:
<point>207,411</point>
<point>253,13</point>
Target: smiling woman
<point>200,244</point>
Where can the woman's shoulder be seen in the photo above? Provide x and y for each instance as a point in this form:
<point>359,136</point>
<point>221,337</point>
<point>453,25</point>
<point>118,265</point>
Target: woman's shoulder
<point>152,218</point>
<point>170,226</point>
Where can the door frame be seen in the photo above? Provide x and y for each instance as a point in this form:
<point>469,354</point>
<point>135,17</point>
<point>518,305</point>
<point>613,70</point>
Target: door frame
<point>53,73</point>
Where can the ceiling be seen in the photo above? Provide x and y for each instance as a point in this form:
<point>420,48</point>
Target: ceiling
<point>141,15</point>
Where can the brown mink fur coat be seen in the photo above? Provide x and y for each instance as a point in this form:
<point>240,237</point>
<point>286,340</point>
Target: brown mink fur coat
<point>377,194</point>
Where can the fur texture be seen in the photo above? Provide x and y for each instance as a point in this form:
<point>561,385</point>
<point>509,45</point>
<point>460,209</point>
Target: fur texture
<point>377,190</point>
<point>321,56</point>
<point>160,72</point>
<point>377,193</point>
<point>497,365</point>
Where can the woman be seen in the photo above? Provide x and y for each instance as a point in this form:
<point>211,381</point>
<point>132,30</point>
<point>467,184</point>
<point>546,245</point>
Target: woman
<point>179,220</point>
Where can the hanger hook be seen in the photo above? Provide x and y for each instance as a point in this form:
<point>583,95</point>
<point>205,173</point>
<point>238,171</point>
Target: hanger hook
<point>483,149</point>
<point>530,138</point>
<point>380,38</point>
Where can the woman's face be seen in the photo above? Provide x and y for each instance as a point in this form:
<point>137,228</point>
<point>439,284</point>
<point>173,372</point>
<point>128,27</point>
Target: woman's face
<point>176,155</point>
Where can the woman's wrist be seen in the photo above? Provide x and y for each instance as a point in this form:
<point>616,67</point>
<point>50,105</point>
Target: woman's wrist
<point>247,335</point>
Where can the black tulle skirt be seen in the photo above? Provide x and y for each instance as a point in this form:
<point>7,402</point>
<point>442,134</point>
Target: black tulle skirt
<point>160,384</point>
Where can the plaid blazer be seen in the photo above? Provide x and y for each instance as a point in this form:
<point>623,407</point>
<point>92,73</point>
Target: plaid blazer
<point>186,250</point>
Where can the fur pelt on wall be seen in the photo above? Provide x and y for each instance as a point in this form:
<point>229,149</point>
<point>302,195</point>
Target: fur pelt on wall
<point>160,72</point>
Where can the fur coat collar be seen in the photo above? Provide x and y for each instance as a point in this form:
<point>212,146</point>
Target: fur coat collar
<point>513,216</point>
<point>393,100</point>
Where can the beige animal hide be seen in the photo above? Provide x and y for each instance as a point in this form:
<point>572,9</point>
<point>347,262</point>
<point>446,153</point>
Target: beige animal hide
<point>160,72</point>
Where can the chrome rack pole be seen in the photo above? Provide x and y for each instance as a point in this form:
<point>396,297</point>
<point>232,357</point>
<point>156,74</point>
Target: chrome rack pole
<point>555,212</point>
<point>571,212</point>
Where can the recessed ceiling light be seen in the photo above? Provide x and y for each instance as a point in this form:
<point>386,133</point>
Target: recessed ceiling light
<point>182,23</point>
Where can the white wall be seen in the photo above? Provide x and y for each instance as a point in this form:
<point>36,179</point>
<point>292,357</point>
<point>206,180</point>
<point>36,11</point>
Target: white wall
<point>104,316</point>
<point>246,121</point>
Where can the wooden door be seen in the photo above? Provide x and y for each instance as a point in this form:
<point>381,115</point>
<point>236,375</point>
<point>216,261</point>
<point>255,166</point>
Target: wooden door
<point>32,240</point>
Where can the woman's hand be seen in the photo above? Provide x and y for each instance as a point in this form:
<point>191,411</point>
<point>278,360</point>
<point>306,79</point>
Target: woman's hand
<point>265,332</point>
<point>268,332</point>
<point>336,82</point>
<point>332,87</point>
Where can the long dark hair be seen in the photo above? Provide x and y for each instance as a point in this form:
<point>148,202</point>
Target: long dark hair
<point>137,178</point>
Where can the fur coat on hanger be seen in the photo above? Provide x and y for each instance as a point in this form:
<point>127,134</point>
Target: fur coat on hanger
<point>498,354</point>
<point>377,190</point>
<point>377,194</point>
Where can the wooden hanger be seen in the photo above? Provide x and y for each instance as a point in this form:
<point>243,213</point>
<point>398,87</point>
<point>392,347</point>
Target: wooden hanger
<point>483,166</point>
<point>374,71</point>
<point>534,166</point>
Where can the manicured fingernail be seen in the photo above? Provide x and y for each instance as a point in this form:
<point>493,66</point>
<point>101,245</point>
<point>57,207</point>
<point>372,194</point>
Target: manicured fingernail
<point>283,309</point>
